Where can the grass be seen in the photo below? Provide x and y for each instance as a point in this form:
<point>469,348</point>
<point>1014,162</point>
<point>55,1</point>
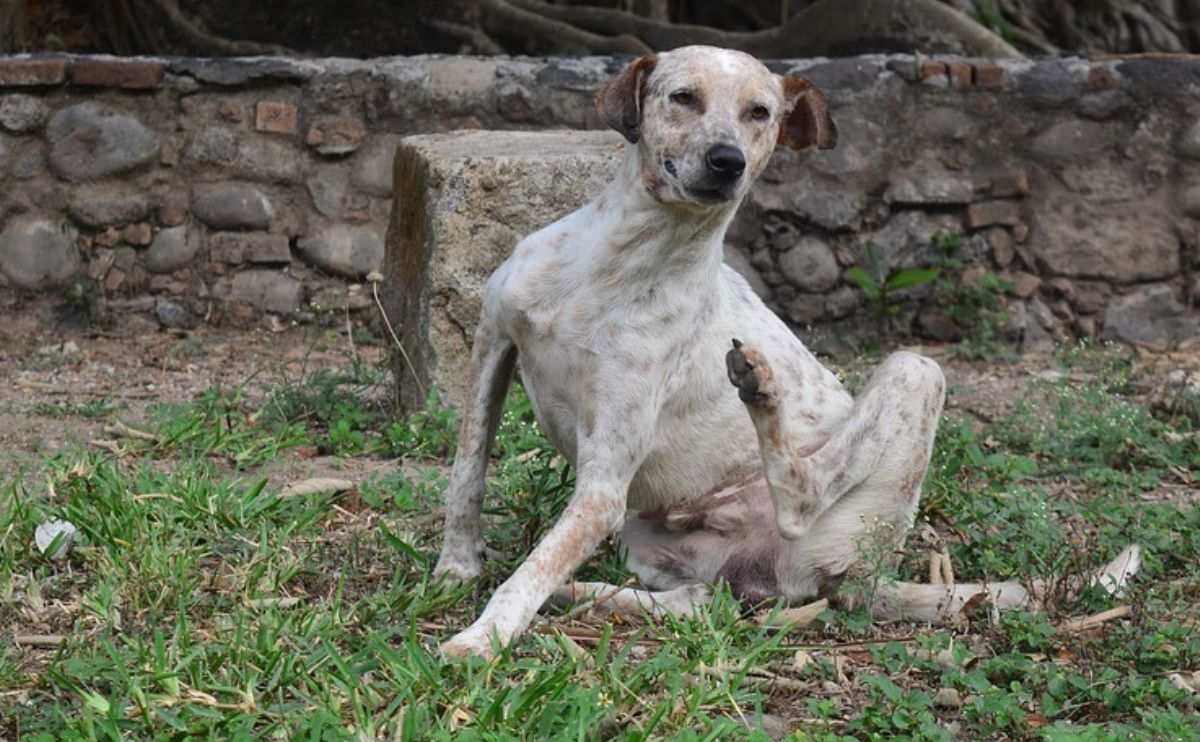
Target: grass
<point>199,602</point>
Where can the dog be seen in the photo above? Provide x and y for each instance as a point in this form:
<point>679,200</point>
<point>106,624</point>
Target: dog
<point>629,331</point>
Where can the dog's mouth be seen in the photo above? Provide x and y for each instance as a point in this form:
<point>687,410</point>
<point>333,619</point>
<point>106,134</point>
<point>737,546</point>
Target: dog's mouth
<point>709,195</point>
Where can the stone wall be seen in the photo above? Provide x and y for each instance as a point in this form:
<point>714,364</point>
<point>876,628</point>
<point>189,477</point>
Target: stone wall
<point>193,190</point>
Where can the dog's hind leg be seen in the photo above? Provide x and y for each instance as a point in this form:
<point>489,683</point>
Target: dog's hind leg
<point>847,502</point>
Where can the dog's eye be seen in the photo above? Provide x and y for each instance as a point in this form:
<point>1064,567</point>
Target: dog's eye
<point>760,113</point>
<point>683,97</point>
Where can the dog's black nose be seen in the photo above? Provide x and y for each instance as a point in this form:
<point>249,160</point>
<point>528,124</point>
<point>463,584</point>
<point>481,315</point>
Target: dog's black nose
<point>726,161</point>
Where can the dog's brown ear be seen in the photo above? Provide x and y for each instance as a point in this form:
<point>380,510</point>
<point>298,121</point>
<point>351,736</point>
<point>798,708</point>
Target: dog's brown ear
<point>620,102</point>
<point>808,123</point>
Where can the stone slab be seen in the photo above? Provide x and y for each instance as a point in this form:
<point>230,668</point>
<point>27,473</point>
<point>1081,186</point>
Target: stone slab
<point>462,201</point>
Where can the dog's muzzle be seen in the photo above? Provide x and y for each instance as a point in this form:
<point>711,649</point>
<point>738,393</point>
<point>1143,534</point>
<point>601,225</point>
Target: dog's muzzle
<point>725,162</point>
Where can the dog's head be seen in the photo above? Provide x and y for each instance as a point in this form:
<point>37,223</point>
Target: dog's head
<point>706,120</point>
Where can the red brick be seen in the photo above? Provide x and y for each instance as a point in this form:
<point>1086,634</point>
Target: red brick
<point>130,74</point>
<point>930,68</point>
<point>30,72</point>
<point>987,213</point>
<point>278,118</point>
<point>231,111</point>
<point>335,135</point>
<point>989,76</point>
<point>960,74</point>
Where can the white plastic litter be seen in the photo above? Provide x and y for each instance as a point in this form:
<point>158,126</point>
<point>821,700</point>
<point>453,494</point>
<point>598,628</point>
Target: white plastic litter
<point>46,533</point>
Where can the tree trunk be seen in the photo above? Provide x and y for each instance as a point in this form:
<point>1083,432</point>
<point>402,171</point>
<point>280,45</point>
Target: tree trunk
<point>12,26</point>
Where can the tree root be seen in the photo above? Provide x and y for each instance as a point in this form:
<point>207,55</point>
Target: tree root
<point>823,28</point>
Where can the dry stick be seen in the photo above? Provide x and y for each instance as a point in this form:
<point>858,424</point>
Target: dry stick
<point>273,602</point>
<point>375,278</point>
<point>121,430</point>
<point>39,640</point>
<point>1091,622</point>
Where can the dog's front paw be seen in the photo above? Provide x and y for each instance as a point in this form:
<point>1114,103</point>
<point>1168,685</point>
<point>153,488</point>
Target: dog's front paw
<point>750,373</point>
<point>474,641</point>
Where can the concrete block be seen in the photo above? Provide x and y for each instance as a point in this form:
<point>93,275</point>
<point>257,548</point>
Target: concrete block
<point>462,201</point>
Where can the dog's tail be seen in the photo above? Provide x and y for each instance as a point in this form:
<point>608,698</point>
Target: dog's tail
<point>911,601</point>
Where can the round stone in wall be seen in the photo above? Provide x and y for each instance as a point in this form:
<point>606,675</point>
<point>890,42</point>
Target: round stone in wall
<point>88,142</point>
<point>810,265</point>
<point>171,250</point>
<point>103,208</point>
<point>21,113</point>
<point>36,253</point>
<point>233,206</point>
<point>344,250</point>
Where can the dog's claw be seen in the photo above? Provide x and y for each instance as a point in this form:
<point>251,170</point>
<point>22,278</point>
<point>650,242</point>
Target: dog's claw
<point>742,375</point>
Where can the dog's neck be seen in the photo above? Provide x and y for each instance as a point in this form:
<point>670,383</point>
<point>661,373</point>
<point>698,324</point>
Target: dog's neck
<point>655,240</point>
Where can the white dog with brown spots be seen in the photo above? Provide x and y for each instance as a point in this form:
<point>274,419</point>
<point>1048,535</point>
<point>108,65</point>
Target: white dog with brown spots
<point>621,316</point>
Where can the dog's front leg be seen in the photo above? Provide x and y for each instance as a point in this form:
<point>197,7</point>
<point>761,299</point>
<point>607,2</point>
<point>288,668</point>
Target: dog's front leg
<point>608,459</point>
<point>493,358</point>
<point>595,511</point>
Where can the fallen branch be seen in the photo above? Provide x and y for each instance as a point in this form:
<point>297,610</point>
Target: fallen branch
<point>1091,622</point>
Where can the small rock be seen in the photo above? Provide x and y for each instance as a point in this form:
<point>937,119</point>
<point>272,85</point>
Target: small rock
<point>934,322</point>
<point>232,207</point>
<point>350,251</point>
<point>88,142</point>
<point>335,135</point>
<point>806,309</point>
<point>1072,138</point>
<point>1025,284</point>
<point>173,248</point>
<point>37,253</point>
<point>972,277</point>
<point>1001,242</point>
<point>139,234</point>
<point>98,209</point>
<point>231,112</point>
<point>267,290</point>
<point>172,315</point>
<point>173,210</point>
<point>328,192</point>
<point>842,302</point>
<point>240,247</point>
<point>737,260</point>
<point>373,168</point>
<point>947,698</point>
<point>258,158</point>
<point>929,184</point>
<point>1010,186</point>
<point>340,299</point>
<point>22,113</point>
<point>987,213</point>
<point>1150,314</point>
<point>810,265</point>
